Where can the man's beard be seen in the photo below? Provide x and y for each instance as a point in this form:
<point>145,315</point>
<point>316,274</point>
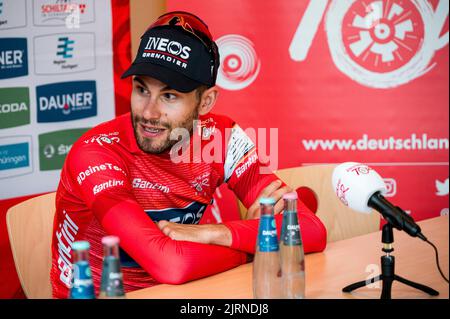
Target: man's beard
<point>148,145</point>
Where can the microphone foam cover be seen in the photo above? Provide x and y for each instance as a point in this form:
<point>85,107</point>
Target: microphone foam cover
<point>354,183</point>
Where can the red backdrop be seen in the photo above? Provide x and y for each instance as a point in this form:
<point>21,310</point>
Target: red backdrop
<point>351,80</point>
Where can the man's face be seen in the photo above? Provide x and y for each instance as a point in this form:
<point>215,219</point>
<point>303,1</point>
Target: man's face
<point>156,110</point>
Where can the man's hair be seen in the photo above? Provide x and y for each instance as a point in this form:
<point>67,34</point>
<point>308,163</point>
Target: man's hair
<point>199,92</point>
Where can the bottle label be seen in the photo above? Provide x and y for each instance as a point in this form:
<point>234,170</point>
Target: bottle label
<point>83,287</point>
<point>267,239</point>
<point>112,279</point>
<point>290,232</point>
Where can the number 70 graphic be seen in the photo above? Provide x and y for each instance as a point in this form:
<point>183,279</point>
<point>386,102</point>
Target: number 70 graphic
<point>381,44</point>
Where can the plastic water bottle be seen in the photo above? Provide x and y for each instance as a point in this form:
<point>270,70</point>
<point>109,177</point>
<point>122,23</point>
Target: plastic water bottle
<point>112,279</point>
<point>291,251</point>
<point>82,284</point>
<point>266,264</point>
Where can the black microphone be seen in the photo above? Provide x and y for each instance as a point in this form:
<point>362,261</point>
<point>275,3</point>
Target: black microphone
<point>396,216</point>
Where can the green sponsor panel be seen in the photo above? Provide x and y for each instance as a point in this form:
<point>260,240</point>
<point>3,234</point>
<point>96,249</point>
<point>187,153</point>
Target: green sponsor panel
<point>14,107</point>
<point>54,147</point>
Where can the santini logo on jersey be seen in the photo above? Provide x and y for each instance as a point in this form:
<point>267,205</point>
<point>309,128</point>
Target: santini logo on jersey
<point>250,161</point>
<point>167,50</point>
<point>101,187</point>
<point>143,184</point>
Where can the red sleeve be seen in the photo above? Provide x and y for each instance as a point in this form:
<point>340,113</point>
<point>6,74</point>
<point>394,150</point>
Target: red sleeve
<point>247,176</point>
<point>314,234</point>
<point>100,178</point>
<point>243,171</point>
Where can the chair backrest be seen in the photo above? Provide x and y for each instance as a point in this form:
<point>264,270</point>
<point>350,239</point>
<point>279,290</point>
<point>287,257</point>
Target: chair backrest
<point>340,221</point>
<point>30,226</point>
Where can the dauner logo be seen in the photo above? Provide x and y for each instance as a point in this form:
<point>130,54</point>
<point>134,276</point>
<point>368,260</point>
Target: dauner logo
<point>11,57</point>
<point>64,101</point>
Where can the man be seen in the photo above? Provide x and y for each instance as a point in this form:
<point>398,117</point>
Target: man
<point>140,177</point>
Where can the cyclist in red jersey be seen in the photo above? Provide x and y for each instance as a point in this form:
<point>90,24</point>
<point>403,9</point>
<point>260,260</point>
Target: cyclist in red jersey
<point>146,177</point>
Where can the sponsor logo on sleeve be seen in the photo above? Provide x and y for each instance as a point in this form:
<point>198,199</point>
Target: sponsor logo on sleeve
<point>241,169</point>
<point>13,57</point>
<point>66,101</point>
<point>66,12</point>
<point>14,107</point>
<point>15,156</point>
<point>91,170</point>
<point>12,14</point>
<point>109,184</point>
<point>54,147</point>
<point>64,53</point>
<point>239,145</point>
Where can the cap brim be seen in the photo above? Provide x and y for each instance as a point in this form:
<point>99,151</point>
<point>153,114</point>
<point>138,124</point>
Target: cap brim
<point>173,79</point>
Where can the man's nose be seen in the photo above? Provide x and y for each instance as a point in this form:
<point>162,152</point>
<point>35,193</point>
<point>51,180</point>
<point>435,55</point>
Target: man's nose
<point>152,110</point>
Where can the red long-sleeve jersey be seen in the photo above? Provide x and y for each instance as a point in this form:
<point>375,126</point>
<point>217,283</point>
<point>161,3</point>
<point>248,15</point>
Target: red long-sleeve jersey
<point>109,186</point>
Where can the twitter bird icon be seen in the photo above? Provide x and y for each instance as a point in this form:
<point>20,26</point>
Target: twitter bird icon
<point>442,187</point>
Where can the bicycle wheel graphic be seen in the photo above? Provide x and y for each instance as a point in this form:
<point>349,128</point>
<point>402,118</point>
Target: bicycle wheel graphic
<point>381,43</point>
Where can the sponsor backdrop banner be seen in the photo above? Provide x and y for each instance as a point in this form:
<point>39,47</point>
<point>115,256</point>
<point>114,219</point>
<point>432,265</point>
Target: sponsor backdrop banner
<point>60,67</point>
<point>56,81</point>
<point>341,80</point>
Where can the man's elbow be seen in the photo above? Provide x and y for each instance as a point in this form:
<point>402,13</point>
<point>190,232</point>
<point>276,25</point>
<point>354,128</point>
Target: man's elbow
<point>176,272</point>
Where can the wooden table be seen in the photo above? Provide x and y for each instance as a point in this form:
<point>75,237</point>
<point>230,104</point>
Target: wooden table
<point>342,263</point>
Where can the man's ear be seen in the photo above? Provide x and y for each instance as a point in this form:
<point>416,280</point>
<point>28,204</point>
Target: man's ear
<point>208,100</point>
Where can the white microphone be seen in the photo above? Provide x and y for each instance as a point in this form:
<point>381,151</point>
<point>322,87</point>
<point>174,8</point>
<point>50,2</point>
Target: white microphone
<point>361,188</point>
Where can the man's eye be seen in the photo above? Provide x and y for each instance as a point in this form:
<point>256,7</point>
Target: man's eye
<point>169,96</point>
<point>142,90</point>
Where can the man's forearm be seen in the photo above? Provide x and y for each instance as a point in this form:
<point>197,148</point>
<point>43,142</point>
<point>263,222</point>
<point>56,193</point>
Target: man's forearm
<point>314,235</point>
<point>214,234</point>
<point>219,235</point>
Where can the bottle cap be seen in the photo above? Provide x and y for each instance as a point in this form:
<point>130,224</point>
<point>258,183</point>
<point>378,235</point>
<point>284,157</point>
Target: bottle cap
<point>80,245</point>
<point>110,240</point>
<point>290,196</point>
<point>267,201</point>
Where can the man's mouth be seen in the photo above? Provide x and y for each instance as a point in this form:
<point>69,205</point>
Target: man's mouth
<point>152,131</point>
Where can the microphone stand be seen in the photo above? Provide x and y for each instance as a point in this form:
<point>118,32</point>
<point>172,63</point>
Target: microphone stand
<point>388,270</point>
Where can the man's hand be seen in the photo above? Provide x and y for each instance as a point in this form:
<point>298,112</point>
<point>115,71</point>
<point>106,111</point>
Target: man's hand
<point>273,190</point>
<point>215,234</point>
